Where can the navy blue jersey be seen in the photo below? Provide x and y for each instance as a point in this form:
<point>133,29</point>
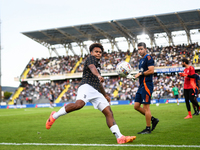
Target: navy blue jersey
<point>197,78</point>
<point>143,66</point>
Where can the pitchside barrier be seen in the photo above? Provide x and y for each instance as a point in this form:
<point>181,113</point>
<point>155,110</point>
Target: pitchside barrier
<point>120,102</point>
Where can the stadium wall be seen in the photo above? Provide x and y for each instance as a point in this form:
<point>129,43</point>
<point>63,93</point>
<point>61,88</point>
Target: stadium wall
<point>120,102</point>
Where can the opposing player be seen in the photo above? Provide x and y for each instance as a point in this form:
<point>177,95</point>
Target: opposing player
<point>189,86</point>
<point>91,90</point>
<point>197,80</point>
<point>197,91</point>
<point>143,95</point>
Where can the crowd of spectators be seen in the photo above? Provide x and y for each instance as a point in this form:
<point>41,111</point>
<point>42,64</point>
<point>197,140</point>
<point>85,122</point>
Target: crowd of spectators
<point>52,66</point>
<point>32,93</point>
<point>126,88</point>
<point>163,56</point>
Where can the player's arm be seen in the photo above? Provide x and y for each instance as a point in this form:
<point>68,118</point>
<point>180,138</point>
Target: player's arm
<point>191,76</point>
<point>198,83</point>
<point>199,86</point>
<point>149,71</point>
<point>146,73</point>
<point>104,93</point>
<point>94,70</point>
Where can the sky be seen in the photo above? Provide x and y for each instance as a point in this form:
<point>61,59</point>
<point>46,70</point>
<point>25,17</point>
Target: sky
<point>18,16</point>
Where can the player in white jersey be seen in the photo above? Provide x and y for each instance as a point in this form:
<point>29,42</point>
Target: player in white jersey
<point>91,90</point>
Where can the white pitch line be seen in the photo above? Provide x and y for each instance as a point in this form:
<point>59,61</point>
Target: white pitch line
<point>125,145</point>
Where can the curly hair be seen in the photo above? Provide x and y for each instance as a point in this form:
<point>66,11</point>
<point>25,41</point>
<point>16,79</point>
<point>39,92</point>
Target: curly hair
<point>92,46</point>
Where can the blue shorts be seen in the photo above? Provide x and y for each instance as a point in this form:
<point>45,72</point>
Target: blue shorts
<point>196,92</point>
<point>176,96</point>
<point>143,95</point>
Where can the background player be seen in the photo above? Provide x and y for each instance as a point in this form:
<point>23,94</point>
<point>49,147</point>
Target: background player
<point>175,93</point>
<point>143,95</point>
<point>91,90</point>
<point>197,80</point>
<point>189,86</point>
<point>197,91</point>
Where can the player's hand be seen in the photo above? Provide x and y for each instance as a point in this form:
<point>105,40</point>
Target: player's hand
<point>108,99</point>
<point>131,77</point>
<point>101,79</point>
<point>183,74</point>
<point>137,75</point>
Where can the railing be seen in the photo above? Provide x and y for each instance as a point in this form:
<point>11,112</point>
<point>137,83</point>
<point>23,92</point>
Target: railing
<point>79,74</point>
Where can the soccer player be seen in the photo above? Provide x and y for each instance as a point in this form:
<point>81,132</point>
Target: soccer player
<point>197,79</point>
<point>143,95</point>
<point>51,98</point>
<point>91,90</point>
<point>189,86</point>
<point>175,93</point>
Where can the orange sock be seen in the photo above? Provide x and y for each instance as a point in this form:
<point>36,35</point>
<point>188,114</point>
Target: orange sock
<point>189,112</point>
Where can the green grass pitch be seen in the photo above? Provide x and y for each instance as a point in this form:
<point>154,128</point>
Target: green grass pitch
<point>87,127</point>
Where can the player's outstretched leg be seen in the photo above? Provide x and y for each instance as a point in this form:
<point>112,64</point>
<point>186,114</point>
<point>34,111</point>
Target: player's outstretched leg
<point>50,121</point>
<point>121,139</point>
<point>63,111</point>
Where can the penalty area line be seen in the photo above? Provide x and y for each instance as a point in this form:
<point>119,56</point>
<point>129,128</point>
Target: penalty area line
<point>103,145</point>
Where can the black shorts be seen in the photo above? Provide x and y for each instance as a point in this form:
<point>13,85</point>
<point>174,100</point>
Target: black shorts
<point>176,96</point>
<point>189,93</point>
<point>51,101</point>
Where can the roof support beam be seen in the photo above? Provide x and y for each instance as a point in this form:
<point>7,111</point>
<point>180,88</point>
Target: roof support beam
<point>185,28</point>
<point>109,37</point>
<point>52,48</point>
<point>69,47</point>
<point>90,38</point>
<point>133,38</point>
<point>166,30</point>
<point>78,41</point>
<point>69,36</point>
<point>124,32</point>
<point>147,32</point>
<point>55,51</point>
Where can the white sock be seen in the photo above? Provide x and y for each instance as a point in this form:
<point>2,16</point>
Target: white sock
<point>59,113</point>
<point>115,130</point>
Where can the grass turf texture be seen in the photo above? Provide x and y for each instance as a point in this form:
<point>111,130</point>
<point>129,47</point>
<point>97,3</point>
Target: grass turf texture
<point>88,126</point>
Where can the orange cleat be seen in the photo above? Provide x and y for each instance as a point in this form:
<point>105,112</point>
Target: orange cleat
<point>125,139</point>
<point>188,116</point>
<point>50,121</point>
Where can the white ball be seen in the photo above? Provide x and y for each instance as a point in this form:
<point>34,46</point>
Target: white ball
<point>123,68</point>
<point>157,104</point>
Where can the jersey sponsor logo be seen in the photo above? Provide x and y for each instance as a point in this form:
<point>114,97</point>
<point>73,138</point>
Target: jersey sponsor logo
<point>148,57</point>
<point>84,96</point>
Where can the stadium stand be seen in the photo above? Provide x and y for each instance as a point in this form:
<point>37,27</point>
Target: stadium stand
<point>63,73</point>
<point>120,89</point>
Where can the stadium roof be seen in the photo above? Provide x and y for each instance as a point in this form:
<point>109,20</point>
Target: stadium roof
<point>128,28</point>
